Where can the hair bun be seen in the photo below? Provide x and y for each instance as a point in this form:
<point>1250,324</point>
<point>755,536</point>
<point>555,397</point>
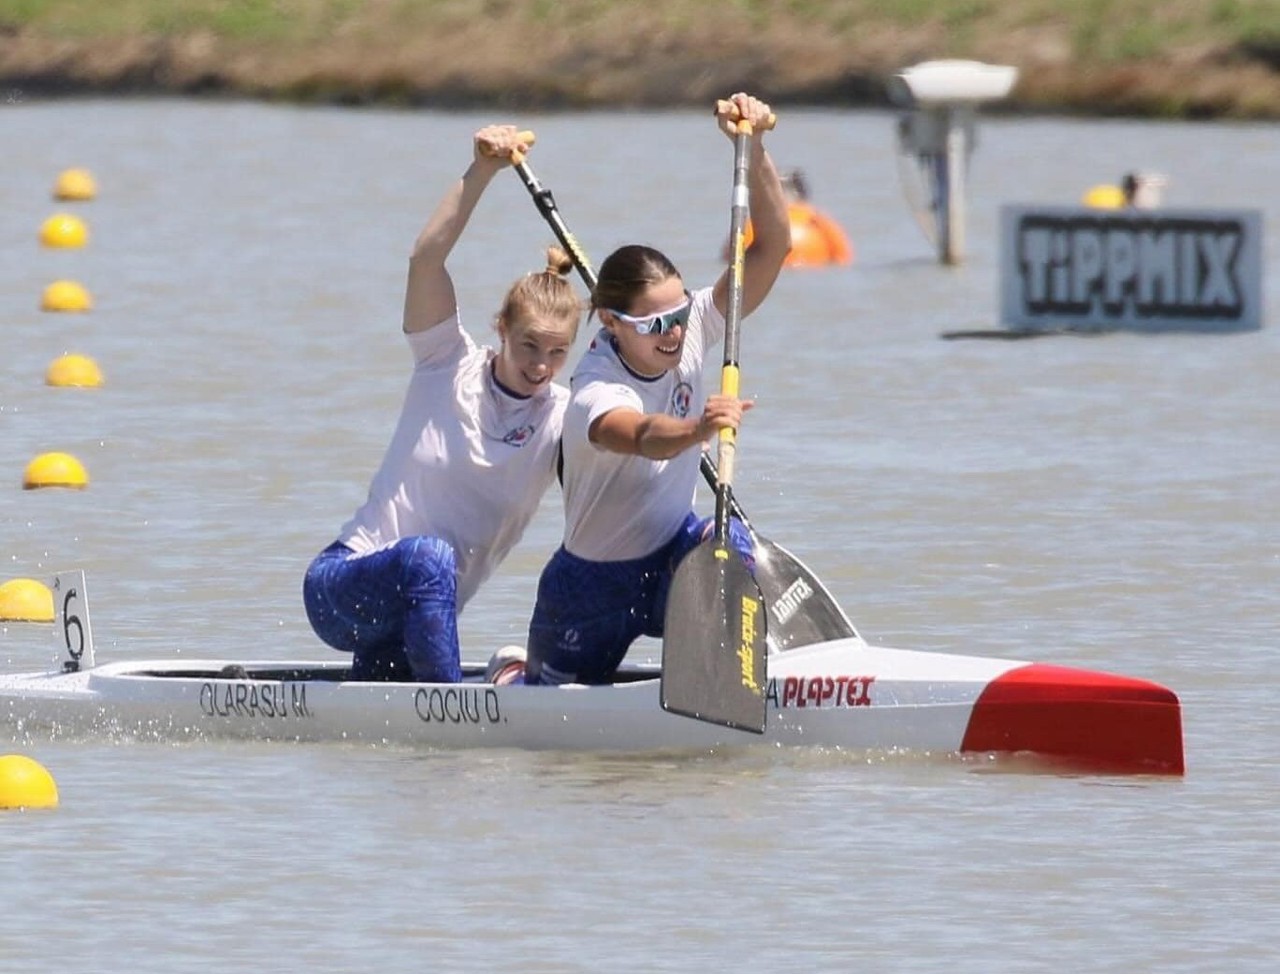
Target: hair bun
<point>558,262</point>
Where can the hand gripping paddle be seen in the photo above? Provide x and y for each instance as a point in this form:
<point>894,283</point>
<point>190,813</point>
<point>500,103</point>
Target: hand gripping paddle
<point>714,645</point>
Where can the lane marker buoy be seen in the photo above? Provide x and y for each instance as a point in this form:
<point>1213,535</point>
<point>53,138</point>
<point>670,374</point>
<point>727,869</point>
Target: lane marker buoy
<point>75,184</point>
<point>66,296</point>
<point>25,600</point>
<point>26,783</point>
<point>64,230</point>
<point>55,470</point>
<point>73,370</point>
<point>1104,197</point>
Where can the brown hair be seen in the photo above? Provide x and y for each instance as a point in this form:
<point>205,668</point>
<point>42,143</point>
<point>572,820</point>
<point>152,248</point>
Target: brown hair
<point>628,271</point>
<point>544,295</point>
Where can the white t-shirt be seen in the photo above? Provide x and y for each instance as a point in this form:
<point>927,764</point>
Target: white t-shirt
<point>620,507</point>
<point>468,462</point>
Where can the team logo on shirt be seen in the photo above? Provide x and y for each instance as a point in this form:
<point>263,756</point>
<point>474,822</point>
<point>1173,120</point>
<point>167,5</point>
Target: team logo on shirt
<point>681,396</point>
<point>519,436</point>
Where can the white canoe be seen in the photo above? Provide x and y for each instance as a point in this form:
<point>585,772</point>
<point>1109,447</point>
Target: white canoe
<point>842,694</point>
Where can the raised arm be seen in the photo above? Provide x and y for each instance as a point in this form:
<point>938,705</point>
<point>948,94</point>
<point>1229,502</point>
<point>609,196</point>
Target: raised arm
<point>771,226</point>
<point>429,297</point>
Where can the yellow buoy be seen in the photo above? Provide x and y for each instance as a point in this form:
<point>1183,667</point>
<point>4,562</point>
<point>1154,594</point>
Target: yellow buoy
<point>24,783</point>
<point>1104,197</point>
<point>25,600</point>
<point>75,184</point>
<point>73,370</point>
<point>66,296</point>
<point>55,470</point>
<point>64,230</point>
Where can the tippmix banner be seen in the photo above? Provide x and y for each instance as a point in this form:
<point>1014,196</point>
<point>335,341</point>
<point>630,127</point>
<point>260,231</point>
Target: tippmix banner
<point>1137,270</point>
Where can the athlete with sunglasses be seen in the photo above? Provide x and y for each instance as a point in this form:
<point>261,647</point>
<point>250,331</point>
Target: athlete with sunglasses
<point>637,421</point>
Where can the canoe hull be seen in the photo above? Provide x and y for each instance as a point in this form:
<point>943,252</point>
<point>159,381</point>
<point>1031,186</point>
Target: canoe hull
<point>843,694</point>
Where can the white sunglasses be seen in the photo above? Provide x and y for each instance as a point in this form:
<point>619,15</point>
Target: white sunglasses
<point>660,322</point>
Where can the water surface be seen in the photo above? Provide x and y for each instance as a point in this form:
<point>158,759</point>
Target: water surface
<point>1107,502</point>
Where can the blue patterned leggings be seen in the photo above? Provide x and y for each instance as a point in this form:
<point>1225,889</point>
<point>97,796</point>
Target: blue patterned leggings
<point>394,609</point>
<point>589,613</point>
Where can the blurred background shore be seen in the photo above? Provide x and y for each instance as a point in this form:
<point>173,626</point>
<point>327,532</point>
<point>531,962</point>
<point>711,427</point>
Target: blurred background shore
<point>1152,58</point>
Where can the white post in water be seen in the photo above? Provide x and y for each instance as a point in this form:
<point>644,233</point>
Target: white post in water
<point>939,132</point>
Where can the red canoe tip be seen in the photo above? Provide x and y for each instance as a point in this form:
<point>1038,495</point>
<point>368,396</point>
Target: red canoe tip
<point>1092,719</point>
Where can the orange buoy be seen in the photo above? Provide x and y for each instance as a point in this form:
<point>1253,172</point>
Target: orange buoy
<point>816,239</point>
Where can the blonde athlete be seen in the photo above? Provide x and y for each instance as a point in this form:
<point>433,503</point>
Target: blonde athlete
<point>471,456</point>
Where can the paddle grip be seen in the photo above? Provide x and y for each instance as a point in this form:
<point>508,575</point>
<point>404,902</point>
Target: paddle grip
<point>516,155</point>
<point>729,108</point>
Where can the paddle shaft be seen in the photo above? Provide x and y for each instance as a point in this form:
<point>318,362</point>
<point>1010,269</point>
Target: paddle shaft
<point>715,634</point>
<point>729,374</point>
<point>546,205</point>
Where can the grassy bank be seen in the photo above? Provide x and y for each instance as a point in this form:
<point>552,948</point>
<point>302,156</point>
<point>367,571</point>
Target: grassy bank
<point>1174,58</point>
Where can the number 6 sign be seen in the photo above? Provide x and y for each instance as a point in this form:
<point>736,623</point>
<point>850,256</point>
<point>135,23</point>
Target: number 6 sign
<point>71,622</point>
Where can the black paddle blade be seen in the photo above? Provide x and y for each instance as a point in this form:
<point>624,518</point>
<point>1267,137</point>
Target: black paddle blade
<point>713,650</point>
<point>801,610</point>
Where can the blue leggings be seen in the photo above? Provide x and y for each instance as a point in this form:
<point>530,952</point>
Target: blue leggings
<point>395,609</point>
<point>589,613</point>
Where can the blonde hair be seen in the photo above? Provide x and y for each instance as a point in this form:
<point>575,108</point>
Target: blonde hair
<point>544,298</point>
